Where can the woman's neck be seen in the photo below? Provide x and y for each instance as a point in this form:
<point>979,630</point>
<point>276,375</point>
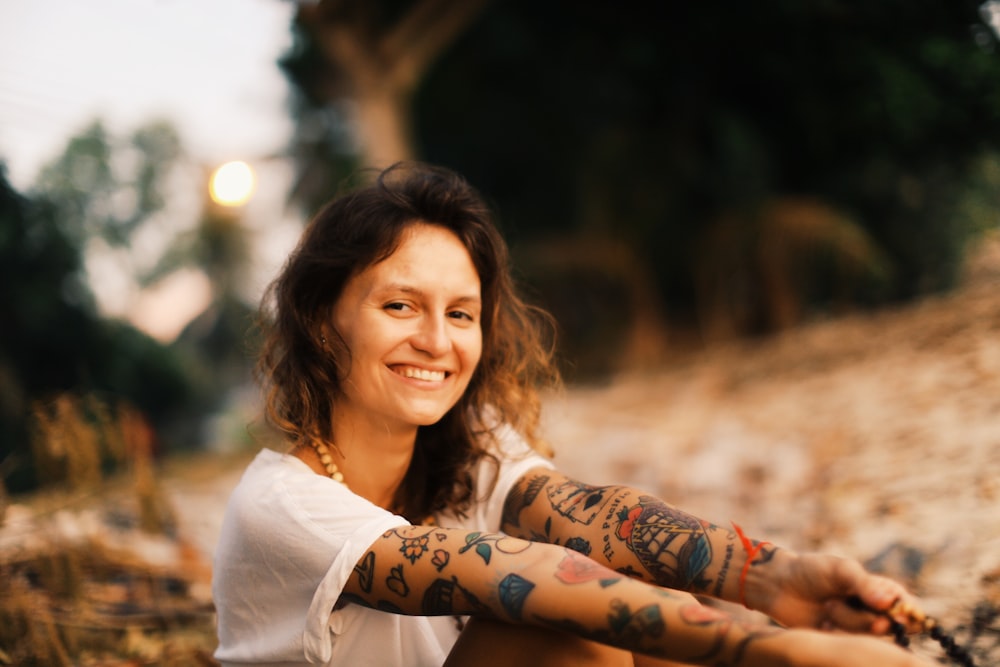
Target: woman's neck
<point>373,458</point>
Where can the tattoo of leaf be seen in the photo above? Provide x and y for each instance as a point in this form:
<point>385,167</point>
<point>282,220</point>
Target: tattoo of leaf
<point>485,543</point>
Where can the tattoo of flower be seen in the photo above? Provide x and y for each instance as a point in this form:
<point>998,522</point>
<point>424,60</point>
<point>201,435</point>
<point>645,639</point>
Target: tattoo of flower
<point>576,569</point>
<point>414,547</point>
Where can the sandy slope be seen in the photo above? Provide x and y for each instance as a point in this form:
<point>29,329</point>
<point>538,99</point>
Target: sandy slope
<point>872,436</point>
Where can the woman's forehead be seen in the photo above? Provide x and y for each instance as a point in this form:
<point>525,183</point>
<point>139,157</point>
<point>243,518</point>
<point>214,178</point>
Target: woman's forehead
<point>427,258</point>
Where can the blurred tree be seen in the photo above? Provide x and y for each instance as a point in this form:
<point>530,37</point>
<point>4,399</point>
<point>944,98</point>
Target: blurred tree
<point>357,66</point>
<point>105,191</point>
<point>216,340</point>
<point>96,200</point>
<point>52,340</point>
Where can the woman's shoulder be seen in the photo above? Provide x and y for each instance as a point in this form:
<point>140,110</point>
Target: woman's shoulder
<point>281,500</point>
<point>283,487</point>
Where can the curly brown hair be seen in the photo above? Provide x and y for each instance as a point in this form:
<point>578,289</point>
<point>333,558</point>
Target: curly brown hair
<point>300,377</point>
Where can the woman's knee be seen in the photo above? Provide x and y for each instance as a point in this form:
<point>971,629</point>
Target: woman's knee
<point>487,642</point>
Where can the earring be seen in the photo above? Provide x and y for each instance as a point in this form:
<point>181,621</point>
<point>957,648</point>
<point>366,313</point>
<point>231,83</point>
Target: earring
<point>322,339</point>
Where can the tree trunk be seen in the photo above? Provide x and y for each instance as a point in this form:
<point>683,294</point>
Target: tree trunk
<point>379,68</point>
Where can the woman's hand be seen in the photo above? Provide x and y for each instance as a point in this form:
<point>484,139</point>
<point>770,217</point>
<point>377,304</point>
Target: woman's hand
<point>823,591</point>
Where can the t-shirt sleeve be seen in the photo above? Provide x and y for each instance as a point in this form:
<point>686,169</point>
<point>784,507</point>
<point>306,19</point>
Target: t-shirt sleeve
<point>354,537</point>
<point>290,542</point>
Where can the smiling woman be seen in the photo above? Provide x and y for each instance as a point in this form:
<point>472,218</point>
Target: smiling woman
<point>414,520</point>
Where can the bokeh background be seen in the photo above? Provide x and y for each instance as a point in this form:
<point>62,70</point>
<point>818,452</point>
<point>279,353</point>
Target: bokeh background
<point>768,232</point>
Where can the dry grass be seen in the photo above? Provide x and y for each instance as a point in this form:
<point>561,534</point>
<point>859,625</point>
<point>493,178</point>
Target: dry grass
<point>92,569</point>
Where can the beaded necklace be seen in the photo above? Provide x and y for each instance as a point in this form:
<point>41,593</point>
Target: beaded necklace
<point>334,473</point>
<point>326,458</point>
<point>927,624</point>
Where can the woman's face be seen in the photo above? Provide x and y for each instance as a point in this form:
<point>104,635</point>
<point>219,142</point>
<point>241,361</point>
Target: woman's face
<point>412,325</point>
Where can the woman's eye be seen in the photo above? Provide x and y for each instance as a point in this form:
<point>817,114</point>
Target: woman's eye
<point>461,315</point>
<point>396,306</point>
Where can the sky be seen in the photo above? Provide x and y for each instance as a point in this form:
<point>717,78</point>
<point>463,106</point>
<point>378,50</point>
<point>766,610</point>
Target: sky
<point>208,66</point>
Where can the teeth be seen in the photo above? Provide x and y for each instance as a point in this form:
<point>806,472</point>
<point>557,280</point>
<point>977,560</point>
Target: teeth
<point>422,374</point>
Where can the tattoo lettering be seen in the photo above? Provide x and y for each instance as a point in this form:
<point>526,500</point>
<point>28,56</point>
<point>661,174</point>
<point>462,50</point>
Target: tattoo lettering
<point>514,590</point>
<point>521,496</point>
<point>650,529</point>
<point>717,591</point>
<point>484,545</point>
<point>613,506</point>
<point>396,583</point>
<point>366,571</point>
<point>578,502</point>
<point>607,550</point>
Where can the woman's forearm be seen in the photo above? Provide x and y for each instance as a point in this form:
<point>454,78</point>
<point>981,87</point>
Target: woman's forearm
<point>631,532</point>
<point>432,571</point>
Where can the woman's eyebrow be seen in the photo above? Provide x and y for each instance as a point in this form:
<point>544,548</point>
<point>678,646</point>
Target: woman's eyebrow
<point>417,292</point>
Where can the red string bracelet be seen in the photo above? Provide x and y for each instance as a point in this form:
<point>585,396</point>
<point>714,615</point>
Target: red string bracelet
<point>752,552</point>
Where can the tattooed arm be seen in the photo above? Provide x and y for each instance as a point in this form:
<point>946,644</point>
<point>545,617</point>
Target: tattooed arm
<point>422,570</point>
<point>642,536</point>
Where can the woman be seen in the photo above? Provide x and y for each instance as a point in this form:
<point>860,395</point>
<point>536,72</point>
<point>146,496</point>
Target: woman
<point>414,520</point>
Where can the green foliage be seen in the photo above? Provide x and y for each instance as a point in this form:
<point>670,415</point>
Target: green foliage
<point>53,341</point>
<point>93,197</point>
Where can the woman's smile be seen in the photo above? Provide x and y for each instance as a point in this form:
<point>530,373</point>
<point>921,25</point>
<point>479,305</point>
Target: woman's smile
<point>423,374</point>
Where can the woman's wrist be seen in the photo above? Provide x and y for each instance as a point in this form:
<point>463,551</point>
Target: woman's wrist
<point>759,580</point>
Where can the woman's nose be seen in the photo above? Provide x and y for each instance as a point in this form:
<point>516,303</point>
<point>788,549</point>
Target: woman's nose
<point>433,336</point>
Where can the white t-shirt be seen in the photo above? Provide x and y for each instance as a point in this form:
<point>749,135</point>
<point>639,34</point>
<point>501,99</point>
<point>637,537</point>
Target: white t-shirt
<point>289,541</point>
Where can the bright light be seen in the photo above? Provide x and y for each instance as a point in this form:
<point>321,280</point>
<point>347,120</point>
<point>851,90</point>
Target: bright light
<point>232,184</point>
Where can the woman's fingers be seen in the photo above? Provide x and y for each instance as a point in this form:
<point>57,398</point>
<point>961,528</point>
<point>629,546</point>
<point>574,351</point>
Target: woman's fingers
<point>841,615</point>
